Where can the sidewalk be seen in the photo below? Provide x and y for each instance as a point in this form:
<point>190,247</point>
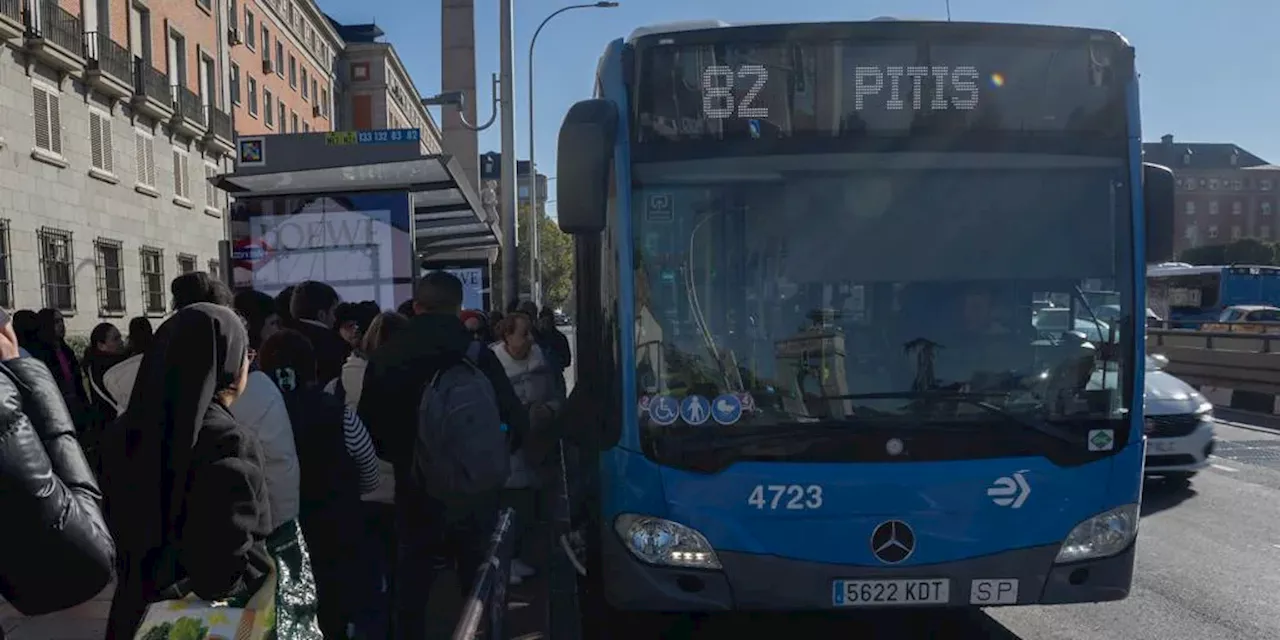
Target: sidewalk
<point>89,621</point>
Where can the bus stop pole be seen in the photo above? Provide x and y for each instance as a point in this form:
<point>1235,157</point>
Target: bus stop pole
<point>507,190</point>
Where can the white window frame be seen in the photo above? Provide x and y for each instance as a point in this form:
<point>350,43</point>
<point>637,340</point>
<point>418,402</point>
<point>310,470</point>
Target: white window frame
<point>252,95</point>
<point>269,114</point>
<point>145,166</point>
<point>105,167</point>
<point>235,78</point>
<point>211,193</point>
<point>181,177</point>
<point>53,119</point>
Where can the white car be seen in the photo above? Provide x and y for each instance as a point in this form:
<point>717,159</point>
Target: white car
<point>1178,425</point>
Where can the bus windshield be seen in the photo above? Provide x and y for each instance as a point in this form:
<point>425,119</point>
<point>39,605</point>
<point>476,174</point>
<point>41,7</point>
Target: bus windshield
<point>803,280</point>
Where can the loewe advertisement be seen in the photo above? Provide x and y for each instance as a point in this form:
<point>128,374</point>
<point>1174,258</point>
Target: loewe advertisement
<point>358,243</point>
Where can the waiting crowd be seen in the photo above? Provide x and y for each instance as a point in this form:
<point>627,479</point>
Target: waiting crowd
<point>332,456</point>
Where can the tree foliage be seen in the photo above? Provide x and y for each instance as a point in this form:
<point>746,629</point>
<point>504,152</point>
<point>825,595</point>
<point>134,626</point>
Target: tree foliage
<point>556,251</point>
<point>1245,251</point>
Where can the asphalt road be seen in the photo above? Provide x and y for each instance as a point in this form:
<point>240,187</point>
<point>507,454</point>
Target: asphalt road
<point>1208,567</point>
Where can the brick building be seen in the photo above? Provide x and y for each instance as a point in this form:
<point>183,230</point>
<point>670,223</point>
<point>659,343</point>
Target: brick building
<point>114,113</point>
<point>1224,193</point>
<point>282,62</point>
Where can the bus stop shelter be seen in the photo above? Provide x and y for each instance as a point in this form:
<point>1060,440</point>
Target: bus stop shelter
<point>443,214</point>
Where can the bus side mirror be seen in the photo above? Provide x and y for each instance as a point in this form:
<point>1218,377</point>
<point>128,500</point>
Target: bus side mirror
<point>1157,197</point>
<point>584,156</point>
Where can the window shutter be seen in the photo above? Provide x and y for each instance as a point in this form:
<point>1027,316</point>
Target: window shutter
<point>55,123</point>
<point>95,141</point>
<point>40,99</point>
<point>177,174</point>
<point>140,156</point>
<point>151,162</point>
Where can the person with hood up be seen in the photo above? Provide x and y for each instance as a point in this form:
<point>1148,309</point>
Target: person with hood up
<point>186,495</point>
<point>187,289</point>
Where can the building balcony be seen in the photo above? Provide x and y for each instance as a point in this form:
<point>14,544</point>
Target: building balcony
<point>188,115</point>
<point>13,23</point>
<point>221,136</point>
<point>110,67</point>
<point>54,36</point>
<point>151,94</point>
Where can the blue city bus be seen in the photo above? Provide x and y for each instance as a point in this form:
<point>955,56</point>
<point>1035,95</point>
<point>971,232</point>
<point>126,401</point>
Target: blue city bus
<point>806,261</point>
<point>1189,296</point>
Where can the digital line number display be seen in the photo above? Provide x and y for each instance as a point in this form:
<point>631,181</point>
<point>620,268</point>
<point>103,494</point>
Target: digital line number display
<point>872,86</point>
<point>786,88</point>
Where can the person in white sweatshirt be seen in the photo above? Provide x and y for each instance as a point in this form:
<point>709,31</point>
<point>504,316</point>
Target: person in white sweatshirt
<point>532,377</point>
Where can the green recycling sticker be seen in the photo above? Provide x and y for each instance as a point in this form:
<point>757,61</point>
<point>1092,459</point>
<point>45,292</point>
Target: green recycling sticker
<point>1101,440</point>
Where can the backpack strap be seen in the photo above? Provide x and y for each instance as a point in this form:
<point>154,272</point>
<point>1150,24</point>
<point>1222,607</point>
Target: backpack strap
<point>474,351</point>
<point>471,359</point>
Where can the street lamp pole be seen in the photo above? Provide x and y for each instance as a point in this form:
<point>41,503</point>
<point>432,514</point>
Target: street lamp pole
<point>535,258</point>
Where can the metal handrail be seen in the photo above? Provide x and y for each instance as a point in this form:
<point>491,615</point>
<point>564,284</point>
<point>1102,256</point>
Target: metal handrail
<point>150,82</point>
<point>187,104</point>
<point>55,24</point>
<point>488,599</point>
<point>12,9</point>
<point>219,122</point>
<point>107,55</point>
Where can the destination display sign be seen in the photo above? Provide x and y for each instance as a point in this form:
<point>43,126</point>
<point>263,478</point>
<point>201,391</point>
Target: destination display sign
<point>831,88</point>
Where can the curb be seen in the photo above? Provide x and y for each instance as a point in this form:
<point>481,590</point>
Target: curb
<point>1267,404</point>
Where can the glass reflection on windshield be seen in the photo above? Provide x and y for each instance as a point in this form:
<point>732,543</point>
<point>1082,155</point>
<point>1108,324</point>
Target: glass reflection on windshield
<point>800,294</point>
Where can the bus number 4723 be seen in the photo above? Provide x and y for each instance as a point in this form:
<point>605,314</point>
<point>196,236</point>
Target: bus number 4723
<point>792,497</point>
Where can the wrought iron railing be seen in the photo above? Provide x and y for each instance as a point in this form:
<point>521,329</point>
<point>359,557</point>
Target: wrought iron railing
<point>48,21</point>
<point>12,9</point>
<point>150,82</point>
<point>485,611</point>
<point>187,104</point>
<point>107,56</point>
<point>219,123</point>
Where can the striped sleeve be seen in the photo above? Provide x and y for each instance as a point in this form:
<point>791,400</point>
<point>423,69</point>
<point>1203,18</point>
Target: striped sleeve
<point>360,446</point>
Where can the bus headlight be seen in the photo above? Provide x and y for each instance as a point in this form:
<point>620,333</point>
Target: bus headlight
<point>663,542</point>
<point>1105,534</point>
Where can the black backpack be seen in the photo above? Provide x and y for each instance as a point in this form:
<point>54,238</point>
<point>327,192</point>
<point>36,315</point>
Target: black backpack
<point>461,448</point>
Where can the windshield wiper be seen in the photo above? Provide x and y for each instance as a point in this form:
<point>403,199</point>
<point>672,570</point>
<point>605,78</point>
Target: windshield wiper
<point>973,399</point>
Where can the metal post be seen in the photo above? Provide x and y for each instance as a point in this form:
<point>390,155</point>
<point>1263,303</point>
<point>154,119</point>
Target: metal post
<point>507,204</point>
<point>535,251</point>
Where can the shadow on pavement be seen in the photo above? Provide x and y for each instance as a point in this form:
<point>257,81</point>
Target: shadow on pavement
<point>1159,494</point>
<point>954,624</point>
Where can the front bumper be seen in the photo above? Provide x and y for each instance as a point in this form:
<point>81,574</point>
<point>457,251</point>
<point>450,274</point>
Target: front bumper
<point>1187,453</point>
<point>762,582</point>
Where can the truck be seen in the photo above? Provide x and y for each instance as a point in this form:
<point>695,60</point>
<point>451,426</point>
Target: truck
<point>807,260</point>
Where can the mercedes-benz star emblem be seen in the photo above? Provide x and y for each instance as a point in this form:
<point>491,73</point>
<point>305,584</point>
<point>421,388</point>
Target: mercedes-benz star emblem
<point>893,541</point>
<point>894,447</point>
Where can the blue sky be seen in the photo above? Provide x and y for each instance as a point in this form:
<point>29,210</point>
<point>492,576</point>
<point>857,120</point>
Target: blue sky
<point>1208,69</point>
